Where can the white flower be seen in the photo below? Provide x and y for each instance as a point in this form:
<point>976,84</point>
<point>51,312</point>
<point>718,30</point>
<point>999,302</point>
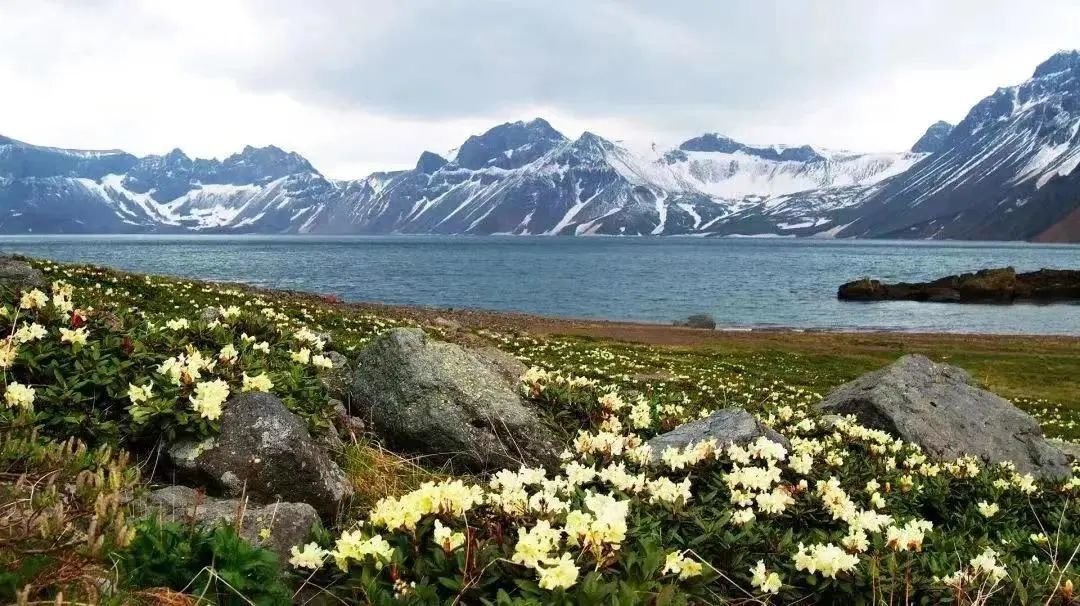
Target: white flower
<point>321,361</point>
<point>139,394</point>
<point>228,354</point>
<point>303,356</point>
<point>17,394</point>
<point>676,562</point>
<point>208,398</point>
<point>558,574</point>
<point>34,299</point>
<point>177,324</point>
<point>259,382</point>
<point>743,516</point>
<point>310,556</point>
<point>447,538</point>
<point>30,332</point>
<point>768,582</point>
<point>75,337</point>
<point>988,510</point>
<point>827,559</point>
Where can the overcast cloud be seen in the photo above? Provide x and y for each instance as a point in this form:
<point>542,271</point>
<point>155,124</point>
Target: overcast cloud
<point>359,86</point>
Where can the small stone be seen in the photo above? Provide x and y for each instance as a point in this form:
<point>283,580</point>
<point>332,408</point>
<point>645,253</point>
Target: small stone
<point>727,426</point>
<point>276,526</point>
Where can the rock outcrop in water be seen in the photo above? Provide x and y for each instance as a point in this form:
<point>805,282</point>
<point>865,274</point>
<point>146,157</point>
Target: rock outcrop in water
<point>985,286</point>
<point>940,408</point>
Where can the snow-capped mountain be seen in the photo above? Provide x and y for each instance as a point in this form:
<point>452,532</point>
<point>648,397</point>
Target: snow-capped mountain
<point>527,178</point>
<point>52,190</point>
<point>1007,171</point>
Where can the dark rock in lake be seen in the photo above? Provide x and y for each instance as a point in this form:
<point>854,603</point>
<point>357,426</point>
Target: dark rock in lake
<point>985,286</point>
<point>439,399</point>
<point>276,526</point>
<point>704,321</point>
<point>940,408</point>
<point>727,426</point>
<point>265,452</point>
<point>18,275</point>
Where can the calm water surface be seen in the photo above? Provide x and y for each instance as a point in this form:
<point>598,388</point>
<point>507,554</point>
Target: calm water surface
<point>740,282</point>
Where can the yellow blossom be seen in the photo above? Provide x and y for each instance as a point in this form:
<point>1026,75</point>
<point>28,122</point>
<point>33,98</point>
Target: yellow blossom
<point>310,556</point>
<point>17,394</point>
<point>34,299</point>
<point>259,382</point>
<point>768,582</point>
<point>75,337</point>
<point>447,538</point>
<point>208,398</point>
<point>139,394</point>
<point>558,574</point>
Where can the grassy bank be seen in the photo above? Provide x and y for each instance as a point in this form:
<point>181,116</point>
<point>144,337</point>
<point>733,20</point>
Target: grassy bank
<point>846,515</point>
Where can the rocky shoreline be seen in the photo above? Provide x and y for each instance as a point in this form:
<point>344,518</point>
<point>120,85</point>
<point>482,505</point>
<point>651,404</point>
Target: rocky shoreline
<point>1002,285</point>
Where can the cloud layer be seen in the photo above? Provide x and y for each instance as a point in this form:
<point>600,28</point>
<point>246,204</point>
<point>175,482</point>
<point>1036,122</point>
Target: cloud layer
<point>357,86</point>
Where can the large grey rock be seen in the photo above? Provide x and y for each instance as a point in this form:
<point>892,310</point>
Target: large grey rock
<point>277,526</point>
<point>265,452</point>
<point>940,408</point>
<point>509,367</point>
<point>18,275</point>
<point>433,398</point>
<point>727,426</point>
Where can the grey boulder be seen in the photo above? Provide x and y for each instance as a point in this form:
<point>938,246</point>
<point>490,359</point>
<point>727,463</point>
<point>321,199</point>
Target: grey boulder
<point>441,400</point>
<point>940,408</point>
<point>509,367</point>
<point>18,275</point>
<point>265,452</point>
<point>727,426</point>
<point>276,526</point>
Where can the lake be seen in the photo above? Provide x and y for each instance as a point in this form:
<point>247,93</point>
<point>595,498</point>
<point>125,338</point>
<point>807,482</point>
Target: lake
<point>742,282</point>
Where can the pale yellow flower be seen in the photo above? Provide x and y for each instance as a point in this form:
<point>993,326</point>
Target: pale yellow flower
<point>19,395</point>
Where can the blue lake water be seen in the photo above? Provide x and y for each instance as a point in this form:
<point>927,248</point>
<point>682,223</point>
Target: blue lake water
<point>740,282</point>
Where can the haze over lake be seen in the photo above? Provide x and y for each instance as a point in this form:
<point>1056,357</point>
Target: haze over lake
<point>743,283</point>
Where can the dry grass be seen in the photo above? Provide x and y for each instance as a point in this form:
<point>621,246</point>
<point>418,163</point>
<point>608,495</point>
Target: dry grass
<point>376,473</point>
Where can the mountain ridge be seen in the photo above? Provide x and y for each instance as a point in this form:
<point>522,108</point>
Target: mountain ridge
<point>1006,171</point>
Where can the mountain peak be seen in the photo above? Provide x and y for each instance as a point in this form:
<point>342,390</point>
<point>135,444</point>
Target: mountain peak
<point>176,155</point>
<point>430,162</point>
<point>715,142</point>
<point>933,139</point>
<point>270,161</point>
<point>509,145</point>
<point>1058,62</point>
<point>712,142</point>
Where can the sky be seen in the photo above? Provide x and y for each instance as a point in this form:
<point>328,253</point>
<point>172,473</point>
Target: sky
<point>357,86</point>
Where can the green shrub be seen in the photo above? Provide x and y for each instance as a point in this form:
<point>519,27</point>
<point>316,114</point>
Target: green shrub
<point>215,564</point>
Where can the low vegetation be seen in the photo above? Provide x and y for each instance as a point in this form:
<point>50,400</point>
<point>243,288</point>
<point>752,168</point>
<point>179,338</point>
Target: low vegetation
<point>103,363</point>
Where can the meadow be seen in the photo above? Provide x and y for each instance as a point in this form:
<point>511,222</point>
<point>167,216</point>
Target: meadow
<point>102,368</point>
